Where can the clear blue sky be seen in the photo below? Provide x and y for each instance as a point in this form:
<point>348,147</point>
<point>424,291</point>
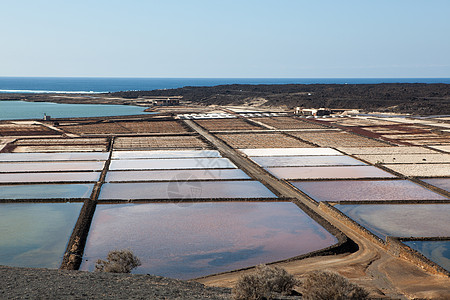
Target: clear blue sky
<point>225,38</point>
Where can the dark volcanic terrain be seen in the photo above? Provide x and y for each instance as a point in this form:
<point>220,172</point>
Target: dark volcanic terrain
<point>412,98</point>
<point>421,99</point>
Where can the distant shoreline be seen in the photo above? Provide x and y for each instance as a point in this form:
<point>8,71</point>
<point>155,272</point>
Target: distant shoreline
<point>411,98</point>
<point>93,85</point>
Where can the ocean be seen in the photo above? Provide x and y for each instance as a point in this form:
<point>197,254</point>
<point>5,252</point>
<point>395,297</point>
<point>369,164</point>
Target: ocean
<point>103,85</point>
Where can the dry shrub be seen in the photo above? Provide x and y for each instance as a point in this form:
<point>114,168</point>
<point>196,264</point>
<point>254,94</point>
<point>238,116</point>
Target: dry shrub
<point>264,283</point>
<point>118,261</point>
<point>326,285</point>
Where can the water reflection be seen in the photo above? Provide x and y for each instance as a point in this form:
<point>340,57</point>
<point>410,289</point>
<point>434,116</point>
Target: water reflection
<point>13,110</point>
<point>165,154</point>
<point>49,177</point>
<point>185,175</point>
<point>402,220</point>
<point>328,172</point>
<point>35,234</point>
<point>204,238</point>
<point>185,190</point>
<point>167,164</point>
<point>27,157</point>
<point>45,191</point>
<point>300,161</point>
<point>437,251</point>
<point>366,190</point>
<point>289,151</point>
<point>442,183</point>
<point>51,166</point>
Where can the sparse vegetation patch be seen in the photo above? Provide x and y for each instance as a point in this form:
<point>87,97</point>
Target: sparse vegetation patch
<point>118,261</point>
<point>265,283</point>
<point>326,285</point>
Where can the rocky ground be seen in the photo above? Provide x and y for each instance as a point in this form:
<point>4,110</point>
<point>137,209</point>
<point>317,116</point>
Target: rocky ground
<point>27,283</point>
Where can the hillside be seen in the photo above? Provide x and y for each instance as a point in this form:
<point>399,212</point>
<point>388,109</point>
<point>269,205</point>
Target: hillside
<point>420,99</point>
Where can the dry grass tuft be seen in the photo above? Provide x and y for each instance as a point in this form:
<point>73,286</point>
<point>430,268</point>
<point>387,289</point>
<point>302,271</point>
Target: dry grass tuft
<point>264,283</point>
<point>326,285</point>
<point>118,261</point>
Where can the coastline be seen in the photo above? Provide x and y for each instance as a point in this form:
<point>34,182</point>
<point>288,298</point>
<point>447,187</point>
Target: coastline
<point>406,98</point>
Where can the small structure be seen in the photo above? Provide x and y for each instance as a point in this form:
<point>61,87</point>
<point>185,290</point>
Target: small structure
<point>159,100</point>
<point>166,102</point>
<point>316,112</point>
<point>47,118</point>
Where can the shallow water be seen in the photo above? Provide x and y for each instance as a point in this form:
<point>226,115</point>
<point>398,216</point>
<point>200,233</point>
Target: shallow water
<point>437,251</point>
<point>365,190</point>
<point>289,151</point>
<point>329,172</point>
<point>306,161</point>
<point>51,166</point>
<point>35,234</point>
<point>401,220</point>
<point>442,183</point>
<point>14,110</point>
<point>185,190</point>
<point>28,157</point>
<point>168,164</point>
<point>179,175</point>
<point>49,177</point>
<point>203,238</point>
<point>165,154</point>
<point>45,191</point>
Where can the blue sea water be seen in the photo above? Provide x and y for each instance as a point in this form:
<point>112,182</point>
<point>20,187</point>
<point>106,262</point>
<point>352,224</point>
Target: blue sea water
<point>100,85</point>
<point>17,110</point>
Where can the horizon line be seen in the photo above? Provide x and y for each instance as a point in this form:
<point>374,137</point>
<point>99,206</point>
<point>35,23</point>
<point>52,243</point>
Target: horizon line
<point>151,77</point>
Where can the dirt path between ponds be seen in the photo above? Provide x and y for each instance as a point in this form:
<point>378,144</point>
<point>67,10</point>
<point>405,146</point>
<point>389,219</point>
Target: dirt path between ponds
<point>371,266</point>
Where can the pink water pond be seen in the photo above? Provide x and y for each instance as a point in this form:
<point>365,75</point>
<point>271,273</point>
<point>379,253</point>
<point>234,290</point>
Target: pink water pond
<point>197,239</point>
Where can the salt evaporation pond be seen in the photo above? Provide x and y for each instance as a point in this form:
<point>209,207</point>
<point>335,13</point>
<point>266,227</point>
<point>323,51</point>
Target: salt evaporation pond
<point>401,220</point>
<point>306,161</point>
<point>172,175</point>
<point>437,251</point>
<point>329,172</point>
<point>49,177</point>
<point>15,110</point>
<point>165,154</point>
<point>45,191</point>
<point>52,166</point>
<point>185,190</point>
<point>365,190</point>
<point>203,238</point>
<point>290,152</point>
<point>71,156</point>
<point>442,183</point>
<point>35,234</point>
<point>170,164</point>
